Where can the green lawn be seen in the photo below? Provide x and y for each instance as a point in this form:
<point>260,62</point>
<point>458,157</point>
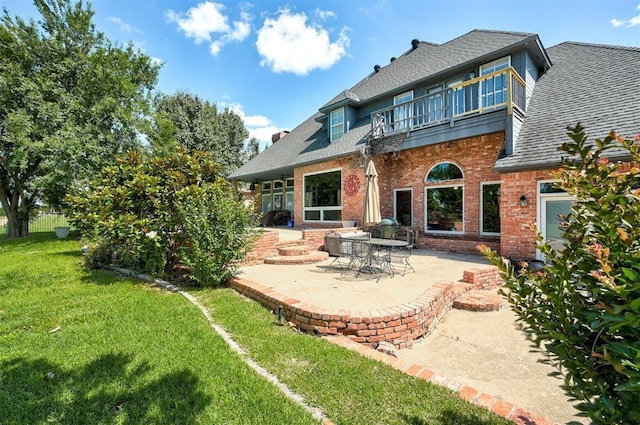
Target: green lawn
<point>80,346</point>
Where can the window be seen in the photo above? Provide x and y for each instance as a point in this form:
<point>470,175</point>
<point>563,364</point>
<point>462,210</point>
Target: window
<point>444,171</point>
<point>490,208</point>
<point>336,122</point>
<point>267,198</point>
<point>322,196</point>
<point>444,198</point>
<point>493,91</point>
<point>288,202</point>
<point>402,113</point>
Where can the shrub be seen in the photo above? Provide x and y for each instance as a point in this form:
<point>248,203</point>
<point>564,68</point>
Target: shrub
<point>151,214</point>
<point>584,306</point>
<point>215,226</point>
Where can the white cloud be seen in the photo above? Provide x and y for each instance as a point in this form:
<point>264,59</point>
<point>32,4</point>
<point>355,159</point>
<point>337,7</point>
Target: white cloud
<point>290,44</point>
<point>258,126</point>
<point>123,26</point>
<point>627,23</point>
<point>206,20</point>
<point>324,14</point>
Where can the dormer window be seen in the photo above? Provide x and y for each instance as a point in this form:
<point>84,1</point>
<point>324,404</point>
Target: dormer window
<point>336,124</point>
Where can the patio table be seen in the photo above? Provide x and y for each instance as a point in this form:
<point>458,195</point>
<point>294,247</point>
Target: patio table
<point>384,245</point>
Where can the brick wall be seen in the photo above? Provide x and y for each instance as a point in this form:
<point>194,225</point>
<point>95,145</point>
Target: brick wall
<point>265,246</point>
<point>518,238</point>
<point>400,325</point>
<point>475,156</point>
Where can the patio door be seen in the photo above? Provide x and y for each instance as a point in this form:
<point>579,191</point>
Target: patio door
<point>402,206</point>
<point>553,209</point>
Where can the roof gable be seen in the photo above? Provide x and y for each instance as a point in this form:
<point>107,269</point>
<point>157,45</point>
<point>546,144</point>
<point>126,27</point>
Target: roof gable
<point>596,85</point>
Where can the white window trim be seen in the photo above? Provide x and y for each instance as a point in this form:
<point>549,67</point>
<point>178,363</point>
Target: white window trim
<point>403,189</point>
<point>270,195</point>
<point>331,125</point>
<point>492,63</point>
<point>321,209</point>
<point>482,184</point>
<point>443,186</point>
<point>540,222</point>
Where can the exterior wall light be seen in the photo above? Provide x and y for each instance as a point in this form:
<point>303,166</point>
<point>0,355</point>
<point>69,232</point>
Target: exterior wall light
<point>523,201</point>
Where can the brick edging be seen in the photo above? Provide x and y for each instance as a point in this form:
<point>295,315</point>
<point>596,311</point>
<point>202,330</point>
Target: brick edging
<point>465,392</point>
<point>399,325</point>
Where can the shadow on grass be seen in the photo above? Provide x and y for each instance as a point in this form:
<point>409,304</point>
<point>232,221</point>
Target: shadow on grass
<point>449,417</point>
<point>108,389</point>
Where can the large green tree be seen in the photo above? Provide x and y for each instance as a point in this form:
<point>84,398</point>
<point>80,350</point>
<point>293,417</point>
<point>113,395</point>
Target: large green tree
<point>194,124</point>
<point>70,100</point>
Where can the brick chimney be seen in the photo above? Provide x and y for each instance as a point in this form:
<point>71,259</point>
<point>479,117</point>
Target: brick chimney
<point>278,136</point>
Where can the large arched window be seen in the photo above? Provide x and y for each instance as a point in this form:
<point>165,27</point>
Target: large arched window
<point>444,195</point>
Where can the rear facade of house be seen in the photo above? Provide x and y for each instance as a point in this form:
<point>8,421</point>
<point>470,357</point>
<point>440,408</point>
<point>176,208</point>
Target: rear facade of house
<point>464,136</point>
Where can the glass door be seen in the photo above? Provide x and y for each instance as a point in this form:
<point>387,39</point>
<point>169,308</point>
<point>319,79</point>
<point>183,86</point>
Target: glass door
<point>553,210</point>
<point>402,206</point>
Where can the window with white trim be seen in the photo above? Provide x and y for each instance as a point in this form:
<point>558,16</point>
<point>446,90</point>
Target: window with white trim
<point>336,124</point>
<point>493,90</point>
<point>322,196</point>
<point>402,113</point>
<point>490,208</point>
<point>444,195</point>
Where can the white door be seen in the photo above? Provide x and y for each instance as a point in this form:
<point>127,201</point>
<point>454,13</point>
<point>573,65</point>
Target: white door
<point>553,209</point>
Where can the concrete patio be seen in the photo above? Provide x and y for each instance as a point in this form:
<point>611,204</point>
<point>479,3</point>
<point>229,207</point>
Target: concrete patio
<point>484,353</point>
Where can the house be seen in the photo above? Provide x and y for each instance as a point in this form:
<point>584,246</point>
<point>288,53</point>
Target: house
<point>464,137</point>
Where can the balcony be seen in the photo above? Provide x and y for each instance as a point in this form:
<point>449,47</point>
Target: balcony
<point>503,89</point>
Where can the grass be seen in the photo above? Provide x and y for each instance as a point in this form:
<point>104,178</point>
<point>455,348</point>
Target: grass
<point>124,353</point>
<point>79,346</point>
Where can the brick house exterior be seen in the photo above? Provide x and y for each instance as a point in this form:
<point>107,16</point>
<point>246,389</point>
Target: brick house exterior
<point>464,137</point>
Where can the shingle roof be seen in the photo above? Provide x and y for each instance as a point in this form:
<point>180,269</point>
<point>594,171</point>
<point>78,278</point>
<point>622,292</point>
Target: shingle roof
<point>596,85</point>
<point>430,59</point>
<point>307,143</point>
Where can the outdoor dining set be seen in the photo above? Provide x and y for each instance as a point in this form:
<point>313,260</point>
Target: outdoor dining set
<point>368,252</point>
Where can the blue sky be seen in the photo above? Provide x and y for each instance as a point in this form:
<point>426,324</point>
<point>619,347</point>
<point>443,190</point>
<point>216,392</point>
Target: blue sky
<point>275,62</point>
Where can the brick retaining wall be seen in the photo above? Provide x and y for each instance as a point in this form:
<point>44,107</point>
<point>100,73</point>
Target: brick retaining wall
<point>400,325</point>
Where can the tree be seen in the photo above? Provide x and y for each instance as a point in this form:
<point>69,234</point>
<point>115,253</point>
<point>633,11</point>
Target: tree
<point>69,101</point>
<point>584,306</point>
<point>153,213</point>
<point>253,148</point>
<point>188,121</point>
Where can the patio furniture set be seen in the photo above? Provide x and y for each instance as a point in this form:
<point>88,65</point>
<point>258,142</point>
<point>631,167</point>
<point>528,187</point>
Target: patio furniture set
<point>369,252</point>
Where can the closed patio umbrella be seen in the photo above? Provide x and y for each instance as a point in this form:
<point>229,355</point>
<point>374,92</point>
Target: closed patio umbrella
<point>371,207</point>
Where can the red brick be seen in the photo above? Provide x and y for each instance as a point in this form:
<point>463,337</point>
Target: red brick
<point>467,393</point>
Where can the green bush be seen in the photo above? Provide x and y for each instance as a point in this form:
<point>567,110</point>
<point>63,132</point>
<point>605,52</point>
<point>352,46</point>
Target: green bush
<point>584,306</point>
<point>153,214</point>
<point>215,226</point>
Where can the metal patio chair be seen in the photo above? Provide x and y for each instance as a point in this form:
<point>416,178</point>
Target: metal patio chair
<point>400,256</point>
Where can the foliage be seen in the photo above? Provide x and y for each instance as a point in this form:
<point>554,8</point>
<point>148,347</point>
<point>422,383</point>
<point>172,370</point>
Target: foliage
<point>69,101</point>
<point>194,124</point>
<point>140,215</point>
<point>216,227</point>
<point>252,149</point>
<point>584,306</point>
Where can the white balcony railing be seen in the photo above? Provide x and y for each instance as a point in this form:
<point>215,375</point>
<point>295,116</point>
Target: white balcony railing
<point>503,89</point>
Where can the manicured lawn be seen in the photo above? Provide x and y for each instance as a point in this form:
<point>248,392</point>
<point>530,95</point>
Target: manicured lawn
<point>80,346</point>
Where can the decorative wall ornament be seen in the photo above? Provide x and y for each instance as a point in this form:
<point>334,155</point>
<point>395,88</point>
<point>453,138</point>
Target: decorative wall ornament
<point>351,185</point>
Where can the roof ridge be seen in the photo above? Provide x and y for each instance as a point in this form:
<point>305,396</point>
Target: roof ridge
<point>599,45</point>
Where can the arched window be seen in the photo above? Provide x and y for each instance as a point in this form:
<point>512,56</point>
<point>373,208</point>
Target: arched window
<point>444,171</point>
<point>444,195</point>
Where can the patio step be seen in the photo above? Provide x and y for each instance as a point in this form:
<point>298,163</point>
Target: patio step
<point>479,300</point>
<point>293,250</point>
<point>309,258</point>
<point>291,242</point>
